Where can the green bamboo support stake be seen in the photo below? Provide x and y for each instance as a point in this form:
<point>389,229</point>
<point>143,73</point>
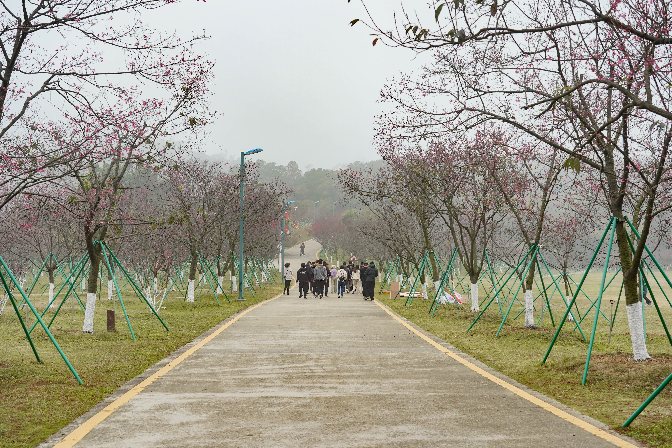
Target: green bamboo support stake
<point>500,288</point>
<point>645,282</point>
<point>522,280</point>
<point>207,278</point>
<point>444,278</point>
<point>18,314</point>
<point>138,291</point>
<point>576,293</point>
<point>37,316</point>
<point>648,401</point>
<point>411,293</point>
<point>492,279</point>
<point>71,285</point>
<point>561,294</point>
<point>121,300</point>
<point>599,303</point>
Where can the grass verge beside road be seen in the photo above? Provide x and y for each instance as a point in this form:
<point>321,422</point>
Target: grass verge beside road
<point>39,399</point>
<point>616,385</point>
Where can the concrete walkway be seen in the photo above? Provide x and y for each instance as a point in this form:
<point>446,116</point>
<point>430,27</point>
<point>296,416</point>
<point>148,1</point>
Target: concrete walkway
<point>329,373</point>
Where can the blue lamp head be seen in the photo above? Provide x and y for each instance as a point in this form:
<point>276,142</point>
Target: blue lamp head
<point>253,151</point>
<point>289,202</point>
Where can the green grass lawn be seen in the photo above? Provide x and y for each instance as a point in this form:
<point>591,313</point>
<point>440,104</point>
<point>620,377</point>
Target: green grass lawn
<point>39,399</point>
<point>616,384</point>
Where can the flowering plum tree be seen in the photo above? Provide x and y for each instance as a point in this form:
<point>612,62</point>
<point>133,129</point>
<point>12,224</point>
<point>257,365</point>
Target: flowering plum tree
<point>589,79</point>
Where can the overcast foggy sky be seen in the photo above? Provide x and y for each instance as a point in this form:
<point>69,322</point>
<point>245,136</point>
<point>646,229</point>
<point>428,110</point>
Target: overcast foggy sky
<point>291,76</point>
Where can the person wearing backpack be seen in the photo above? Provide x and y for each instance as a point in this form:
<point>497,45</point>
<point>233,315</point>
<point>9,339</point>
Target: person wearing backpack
<point>326,280</point>
<point>342,280</point>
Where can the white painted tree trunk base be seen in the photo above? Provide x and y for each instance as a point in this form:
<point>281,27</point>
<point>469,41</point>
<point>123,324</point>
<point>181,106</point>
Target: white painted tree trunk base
<point>474,298</point>
<point>220,280</point>
<point>51,296</point>
<point>89,312</point>
<point>110,289</point>
<point>425,295</point>
<point>529,309</point>
<point>156,285</point>
<point>570,316</point>
<point>190,291</point>
<point>234,284</point>
<point>636,325</point>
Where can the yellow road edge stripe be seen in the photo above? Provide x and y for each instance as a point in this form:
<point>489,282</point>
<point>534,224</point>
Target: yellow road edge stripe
<point>592,429</point>
<point>82,430</point>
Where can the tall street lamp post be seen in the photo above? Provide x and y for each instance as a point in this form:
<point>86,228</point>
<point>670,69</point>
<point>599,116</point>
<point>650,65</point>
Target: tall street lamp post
<point>242,217</point>
<point>314,209</point>
<point>283,234</point>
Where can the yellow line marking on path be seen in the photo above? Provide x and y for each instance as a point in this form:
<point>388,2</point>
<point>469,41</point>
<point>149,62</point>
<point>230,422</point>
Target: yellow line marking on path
<point>78,434</point>
<point>521,393</point>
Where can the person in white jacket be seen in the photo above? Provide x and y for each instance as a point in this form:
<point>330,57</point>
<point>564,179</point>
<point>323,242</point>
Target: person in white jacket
<point>288,278</point>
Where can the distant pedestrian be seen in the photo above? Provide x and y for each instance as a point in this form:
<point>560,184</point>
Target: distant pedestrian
<point>303,278</point>
<point>342,280</point>
<point>326,280</point>
<point>288,278</point>
<point>355,279</point>
<point>302,249</point>
<point>319,277</point>
<point>369,281</point>
<point>333,279</point>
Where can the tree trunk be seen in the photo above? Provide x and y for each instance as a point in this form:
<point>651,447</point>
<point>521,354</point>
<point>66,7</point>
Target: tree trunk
<point>50,271</point>
<point>529,300</point>
<point>192,277</point>
<point>95,254</point>
<point>529,308</point>
<point>474,292</point>
<point>474,298</point>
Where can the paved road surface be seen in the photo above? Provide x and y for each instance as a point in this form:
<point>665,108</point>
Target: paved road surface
<point>327,373</point>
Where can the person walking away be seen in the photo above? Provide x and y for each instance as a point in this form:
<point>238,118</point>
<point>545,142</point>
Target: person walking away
<point>302,249</point>
<point>369,281</point>
<point>326,280</point>
<point>319,276</point>
<point>303,279</point>
<point>355,279</point>
<point>309,267</point>
<point>334,279</point>
<point>342,280</point>
<point>288,278</point>
<point>362,273</point>
<point>348,283</point>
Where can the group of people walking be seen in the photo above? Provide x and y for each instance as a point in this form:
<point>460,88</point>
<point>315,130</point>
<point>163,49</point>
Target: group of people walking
<point>316,278</point>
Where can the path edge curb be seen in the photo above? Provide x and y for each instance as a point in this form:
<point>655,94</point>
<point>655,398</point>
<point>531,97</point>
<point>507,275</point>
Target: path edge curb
<point>58,436</point>
<point>515,383</point>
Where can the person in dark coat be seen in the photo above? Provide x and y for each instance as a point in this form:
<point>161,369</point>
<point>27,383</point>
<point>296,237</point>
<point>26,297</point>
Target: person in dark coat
<point>369,276</point>
<point>303,279</point>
